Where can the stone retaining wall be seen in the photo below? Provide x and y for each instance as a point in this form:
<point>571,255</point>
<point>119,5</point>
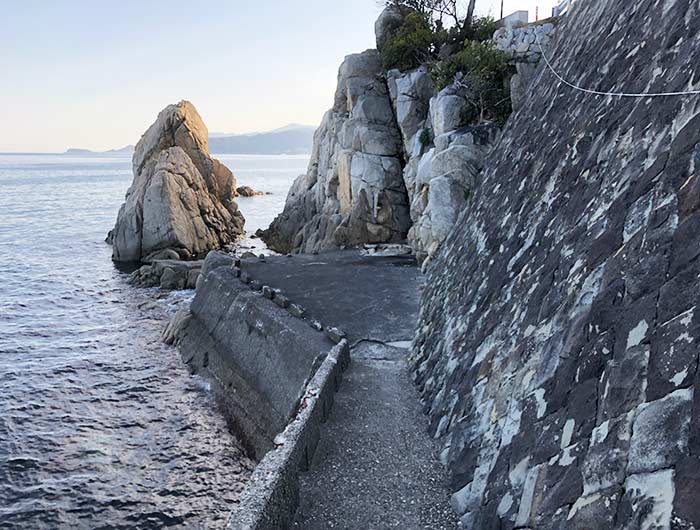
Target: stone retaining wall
<point>272,495</point>
<point>521,43</point>
<point>275,372</point>
<point>557,350</point>
<point>256,347</point>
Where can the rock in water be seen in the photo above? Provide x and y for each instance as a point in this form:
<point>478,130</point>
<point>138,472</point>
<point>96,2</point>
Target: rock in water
<point>247,191</point>
<point>181,198</point>
<point>353,192</point>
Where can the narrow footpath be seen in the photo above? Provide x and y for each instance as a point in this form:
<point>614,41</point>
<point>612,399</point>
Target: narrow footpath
<point>375,466</point>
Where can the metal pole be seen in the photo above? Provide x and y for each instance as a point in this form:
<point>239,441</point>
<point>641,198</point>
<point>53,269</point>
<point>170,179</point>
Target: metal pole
<point>501,9</point>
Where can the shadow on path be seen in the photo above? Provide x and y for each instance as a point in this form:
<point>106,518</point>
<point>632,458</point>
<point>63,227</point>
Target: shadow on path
<point>375,466</point>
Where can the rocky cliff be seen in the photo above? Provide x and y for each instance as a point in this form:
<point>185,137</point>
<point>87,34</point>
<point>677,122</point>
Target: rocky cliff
<point>392,160</point>
<point>353,192</point>
<point>557,345</point>
<point>181,198</point>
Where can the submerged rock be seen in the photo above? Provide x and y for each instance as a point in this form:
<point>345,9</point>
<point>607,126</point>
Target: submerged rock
<point>247,191</point>
<point>181,198</point>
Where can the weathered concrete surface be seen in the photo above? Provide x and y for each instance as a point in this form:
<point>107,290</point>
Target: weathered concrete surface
<point>257,354</point>
<point>272,495</point>
<point>375,467</point>
<point>369,297</point>
<point>557,348</point>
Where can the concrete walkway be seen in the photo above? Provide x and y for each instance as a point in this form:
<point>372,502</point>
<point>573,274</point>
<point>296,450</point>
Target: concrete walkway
<point>375,467</point>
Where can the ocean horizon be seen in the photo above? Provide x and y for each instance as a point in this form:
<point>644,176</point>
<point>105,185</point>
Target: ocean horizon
<point>99,420</point>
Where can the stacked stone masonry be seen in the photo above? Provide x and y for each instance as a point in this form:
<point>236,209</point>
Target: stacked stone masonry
<point>557,347</point>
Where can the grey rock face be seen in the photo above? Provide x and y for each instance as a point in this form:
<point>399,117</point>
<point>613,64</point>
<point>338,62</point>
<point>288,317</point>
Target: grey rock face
<point>445,178</point>
<point>557,344</point>
<point>388,21</point>
<point>353,192</point>
<point>520,82</point>
<point>438,174</point>
<point>410,96</point>
<point>181,199</point>
<point>168,274</point>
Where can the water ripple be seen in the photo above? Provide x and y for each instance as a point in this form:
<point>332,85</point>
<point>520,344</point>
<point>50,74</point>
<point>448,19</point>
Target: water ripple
<point>101,426</point>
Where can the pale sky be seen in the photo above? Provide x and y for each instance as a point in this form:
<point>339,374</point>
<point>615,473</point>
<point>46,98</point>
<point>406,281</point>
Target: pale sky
<point>94,73</point>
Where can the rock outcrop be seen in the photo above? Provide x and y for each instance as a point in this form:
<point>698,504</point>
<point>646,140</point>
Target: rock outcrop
<point>445,177</point>
<point>170,274</point>
<point>443,157</point>
<point>247,191</point>
<point>181,198</point>
<point>353,192</point>
<point>392,159</point>
<point>557,347</point>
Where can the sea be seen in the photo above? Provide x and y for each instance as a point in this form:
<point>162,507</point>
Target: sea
<point>101,425</point>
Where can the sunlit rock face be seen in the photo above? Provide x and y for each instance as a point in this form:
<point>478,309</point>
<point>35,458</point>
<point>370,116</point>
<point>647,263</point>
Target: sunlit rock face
<point>442,157</point>
<point>353,192</point>
<point>557,347</point>
<point>181,198</point>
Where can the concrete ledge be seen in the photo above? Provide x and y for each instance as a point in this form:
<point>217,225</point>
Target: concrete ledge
<point>274,373</point>
<point>258,356</point>
<point>272,495</point>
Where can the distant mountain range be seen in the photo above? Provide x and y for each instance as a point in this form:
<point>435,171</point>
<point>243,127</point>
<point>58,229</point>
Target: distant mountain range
<point>126,150</point>
<point>292,139</point>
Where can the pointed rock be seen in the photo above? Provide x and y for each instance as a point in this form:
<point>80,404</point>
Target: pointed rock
<point>181,198</point>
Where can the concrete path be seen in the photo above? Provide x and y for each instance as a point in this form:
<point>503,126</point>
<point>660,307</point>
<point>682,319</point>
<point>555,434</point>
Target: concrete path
<point>375,467</point>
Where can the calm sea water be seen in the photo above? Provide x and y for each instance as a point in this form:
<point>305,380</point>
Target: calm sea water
<point>101,426</point>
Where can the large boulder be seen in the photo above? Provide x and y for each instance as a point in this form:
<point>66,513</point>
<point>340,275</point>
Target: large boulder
<point>181,198</point>
<point>353,192</point>
<point>443,182</point>
<point>386,25</point>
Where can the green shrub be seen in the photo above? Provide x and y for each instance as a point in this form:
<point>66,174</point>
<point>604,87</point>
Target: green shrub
<point>481,29</point>
<point>479,59</point>
<point>424,137</point>
<point>412,44</point>
<point>484,73</point>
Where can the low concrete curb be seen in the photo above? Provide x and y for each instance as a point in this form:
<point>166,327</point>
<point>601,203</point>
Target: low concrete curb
<point>272,495</point>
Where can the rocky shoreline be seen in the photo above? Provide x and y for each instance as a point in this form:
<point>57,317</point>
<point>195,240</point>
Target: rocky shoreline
<point>555,348</point>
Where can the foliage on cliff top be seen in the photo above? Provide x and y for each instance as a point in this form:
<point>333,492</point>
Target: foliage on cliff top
<point>413,43</point>
<point>458,13</point>
<point>463,54</point>
<point>481,72</point>
<point>421,39</point>
<point>479,59</point>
